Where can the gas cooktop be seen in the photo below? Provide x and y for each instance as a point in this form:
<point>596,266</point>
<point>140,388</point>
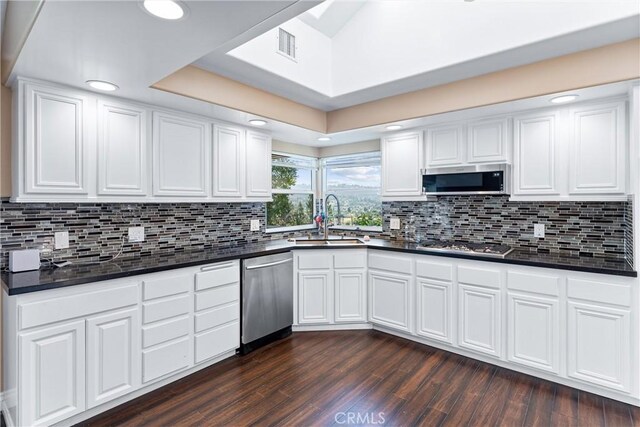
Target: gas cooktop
<point>482,249</point>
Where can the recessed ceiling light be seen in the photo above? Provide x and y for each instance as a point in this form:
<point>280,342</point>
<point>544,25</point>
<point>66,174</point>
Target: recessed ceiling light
<point>324,138</point>
<point>564,98</point>
<point>102,85</point>
<point>393,127</point>
<point>257,122</point>
<point>165,9</point>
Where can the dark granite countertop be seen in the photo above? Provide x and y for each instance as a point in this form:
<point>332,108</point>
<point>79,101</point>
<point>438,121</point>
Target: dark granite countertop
<point>77,274</point>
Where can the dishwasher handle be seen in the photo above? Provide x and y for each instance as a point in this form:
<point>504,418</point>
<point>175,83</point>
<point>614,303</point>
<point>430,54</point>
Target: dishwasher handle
<point>269,264</point>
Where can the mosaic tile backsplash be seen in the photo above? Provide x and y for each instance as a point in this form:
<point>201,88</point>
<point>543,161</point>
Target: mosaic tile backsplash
<point>602,229</point>
<point>97,231</point>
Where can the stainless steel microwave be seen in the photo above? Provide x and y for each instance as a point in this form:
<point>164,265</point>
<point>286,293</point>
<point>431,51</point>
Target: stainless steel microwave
<point>489,179</point>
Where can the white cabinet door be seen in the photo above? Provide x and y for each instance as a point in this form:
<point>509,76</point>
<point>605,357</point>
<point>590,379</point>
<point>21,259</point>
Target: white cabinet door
<point>534,331</point>
<point>57,140</point>
<point>314,288</point>
<point>228,161</point>
<point>597,149</point>
<point>258,165</point>
<point>479,317</point>
<point>401,165</point>
<point>180,156</point>
<point>51,374</point>
<point>536,153</point>
<point>488,140</point>
<point>350,299</point>
<point>435,309</point>
<point>599,345</point>
<point>445,146</point>
<point>113,355</point>
<point>122,149</point>
<point>390,300</point>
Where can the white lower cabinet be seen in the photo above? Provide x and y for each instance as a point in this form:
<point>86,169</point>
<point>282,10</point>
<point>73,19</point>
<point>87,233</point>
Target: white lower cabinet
<point>80,347</point>
<point>435,309</point>
<point>599,345</point>
<point>113,355</point>
<point>314,295</point>
<point>434,295</point>
<point>389,300</point>
<point>479,316</point>
<point>534,331</point>
<point>350,303</point>
<point>51,373</point>
<point>331,287</point>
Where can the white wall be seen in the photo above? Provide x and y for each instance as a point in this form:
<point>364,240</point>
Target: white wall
<point>389,40</point>
<point>312,67</point>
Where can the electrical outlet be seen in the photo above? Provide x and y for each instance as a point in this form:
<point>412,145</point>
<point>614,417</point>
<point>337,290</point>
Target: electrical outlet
<point>255,225</point>
<point>61,239</point>
<point>538,230</point>
<point>395,224</point>
<point>136,234</point>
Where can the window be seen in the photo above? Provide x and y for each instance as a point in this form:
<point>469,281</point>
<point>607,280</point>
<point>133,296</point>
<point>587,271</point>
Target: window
<point>355,181</point>
<point>293,183</point>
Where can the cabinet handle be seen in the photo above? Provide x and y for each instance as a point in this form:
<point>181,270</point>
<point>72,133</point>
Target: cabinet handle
<point>216,267</point>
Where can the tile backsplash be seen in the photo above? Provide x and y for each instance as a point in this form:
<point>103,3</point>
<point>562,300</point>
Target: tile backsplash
<point>602,229</point>
<point>98,231</point>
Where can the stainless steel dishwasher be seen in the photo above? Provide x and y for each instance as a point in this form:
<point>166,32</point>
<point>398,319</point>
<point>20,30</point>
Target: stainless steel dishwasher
<point>267,300</point>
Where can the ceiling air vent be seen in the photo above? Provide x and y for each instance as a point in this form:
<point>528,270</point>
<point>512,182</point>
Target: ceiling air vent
<point>287,44</point>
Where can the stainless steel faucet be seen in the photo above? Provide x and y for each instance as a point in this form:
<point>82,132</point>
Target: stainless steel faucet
<point>326,220</point>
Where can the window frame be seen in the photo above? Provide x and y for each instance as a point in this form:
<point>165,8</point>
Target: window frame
<point>313,167</point>
<point>372,158</point>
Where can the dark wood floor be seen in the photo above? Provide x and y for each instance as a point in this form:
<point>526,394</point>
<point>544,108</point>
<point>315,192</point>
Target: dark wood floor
<point>312,377</point>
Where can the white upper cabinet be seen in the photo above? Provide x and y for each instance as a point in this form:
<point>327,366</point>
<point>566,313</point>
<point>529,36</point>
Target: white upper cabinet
<point>55,141</point>
<point>123,149</point>
<point>536,153</point>
<point>77,146</point>
<point>487,140</point>
<point>401,165</point>
<point>258,165</point>
<point>180,156</point>
<point>228,161</point>
<point>597,149</point>
<point>445,145</point>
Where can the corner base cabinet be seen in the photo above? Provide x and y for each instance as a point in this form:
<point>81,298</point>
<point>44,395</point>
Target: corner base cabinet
<point>77,349</point>
<point>330,288</point>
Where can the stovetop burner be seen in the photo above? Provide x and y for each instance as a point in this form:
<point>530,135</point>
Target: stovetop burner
<point>483,249</point>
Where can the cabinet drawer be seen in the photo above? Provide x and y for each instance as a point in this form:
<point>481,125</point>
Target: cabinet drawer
<point>160,310</point>
<point>166,359</point>
<point>314,261</point>
<point>217,316</point>
<point>434,270</point>
<point>350,259</point>
<point>397,264</point>
<point>166,286</point>
<point>217,296</point>
<point>217,341</point>
<point>536,283</point>
<point>479,276</point>
<point>608,293</point>
<point>165,331</point>
<point>83,304</point>
<point>218,275</point>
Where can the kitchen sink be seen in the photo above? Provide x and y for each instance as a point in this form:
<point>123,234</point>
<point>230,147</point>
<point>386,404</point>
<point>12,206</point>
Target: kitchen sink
<point>344,242</point>
<point>310,242</point>
<point>329,242</point>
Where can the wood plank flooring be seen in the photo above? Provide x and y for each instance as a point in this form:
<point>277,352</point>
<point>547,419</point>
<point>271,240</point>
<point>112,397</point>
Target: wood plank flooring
<point>359,378</point>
